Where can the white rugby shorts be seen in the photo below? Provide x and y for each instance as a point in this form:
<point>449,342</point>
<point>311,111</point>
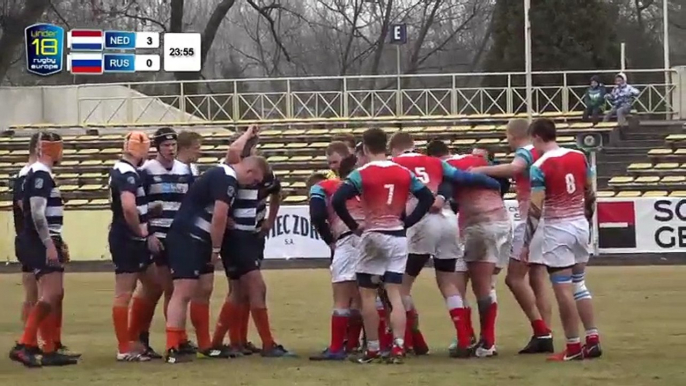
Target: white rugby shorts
<point>381,253</point>
<point>566,242</point>
<point>345,258</point>
<point>436,234</point>
<point>488,242</point>
<point>535,248</point>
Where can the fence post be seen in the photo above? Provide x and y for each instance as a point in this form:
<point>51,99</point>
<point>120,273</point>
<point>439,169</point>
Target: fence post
<point>565,94</point>
<point>182,102</point>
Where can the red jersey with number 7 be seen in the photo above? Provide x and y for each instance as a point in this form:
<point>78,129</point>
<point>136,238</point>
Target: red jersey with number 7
<point>384,187</point>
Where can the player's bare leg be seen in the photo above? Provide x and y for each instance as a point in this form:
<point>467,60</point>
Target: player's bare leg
<point>481,274</point>
<point>584,305</point>
<point>124,286</point>
<point>30,284</point>
<point>539,281</point>
<point>564,294</point>
<point>414,339</point>
<point>516,280</point>
<point>398,316</point>
<point>143,303</point>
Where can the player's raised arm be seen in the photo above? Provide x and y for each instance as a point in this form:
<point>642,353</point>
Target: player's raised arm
<point>469,179</point>
<point>319,214</point>
<point>522,160</point>
<point>274,192</point>
<point>237,147</point>
<point>223,193</point>
<point>349,189</point>
<point>126,184</point>
<point>536,206</point>
<point>589,193</point>
<point>424,201</point>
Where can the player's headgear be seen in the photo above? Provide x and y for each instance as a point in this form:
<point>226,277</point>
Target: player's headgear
<point>50,144</point>
<point>164,134</point>
<point>137,144</point>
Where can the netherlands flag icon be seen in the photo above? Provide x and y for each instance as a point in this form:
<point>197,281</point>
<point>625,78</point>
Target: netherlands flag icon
<point>85,40</point>
<point>84,63</point>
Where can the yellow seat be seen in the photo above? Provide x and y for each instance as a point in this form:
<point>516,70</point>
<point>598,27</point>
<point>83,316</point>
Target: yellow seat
<point>318,145</point>
<point>91,162</point>
<point>605,125</point>
<point>667,166</point>
<point>463,142</point>
<point>562,125</point>
<point>420,142</point>
<point>20,139</point>
<point>292,132</point>
<point>111,137</point>
<point>358,130</point>
<point>99,201</point>
<point>4,152</point>
<point>647,180</point>
<point>87,137</point>
<point>88,151</point>
<point>295,199</point>
<point>302,172</point>
<point>301,158</point>
<point>280,173</point>
<point>296,145</point>
<point>68,188</point>
<point>434,129</point>
<point>66,176</point>
<point>639,167</point>
<point>4,189</point>
<point>110,150</point>
<point>488,141</point>
<point>581,125</point>
<point>285,184</point>
<point>659,152</point>
<point>76,202</point>
<point>673,179</point>
<point>298,184</point>
<point>270,133</point>
<point>91,187</point>
<point>390,130</point>
<point>416,129</point>
<point>605,194</point>
<point>500,155</point>
<point>458,128</point>
<point>628,194</point>
<point>678,193</point>
<point>483,128</point>
<point>277,158</point>
<point>317,132</point>
<point>269,146</point>
<point>510,196</point>
<point>91,175</point>
<point>620,180</point>
<point>20,153</point>
<point>342,130</point>
<point>69,163</point>
<point>655,193</point>
<point>501,128</point>
<point>5,204</point>
<point>566,139</point>
<point>208,160</point>
<point>319,158</point>
<point>208,147</point>
<point>676,137</point>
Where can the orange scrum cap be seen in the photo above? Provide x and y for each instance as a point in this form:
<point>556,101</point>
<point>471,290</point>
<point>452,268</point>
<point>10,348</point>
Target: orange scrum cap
<point>137,143</point>
<point>50,144</point>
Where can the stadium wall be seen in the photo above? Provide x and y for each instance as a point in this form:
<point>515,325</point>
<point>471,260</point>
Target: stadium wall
<point>625,226</point>
<point>80,105</point>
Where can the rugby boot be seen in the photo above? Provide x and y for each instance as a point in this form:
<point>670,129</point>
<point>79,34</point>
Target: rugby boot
<point>226,352</point>
<point>151,353</point>
<point>14,352</point>
<point>251,348</point>
<point>144,339</point>
<point>64,350</point>
<point>592,351</point>
<point>173,356</point>
<point>328,355</point>
<point>187,348</point>
<point>29,356</point>
<point>539,345</point>
<point>277,351</point>
<point>481,351</point>
<point>57,359</point>
<point>367,357</point>
<point>565,356</point>
<point>132,357</point>
<point>211,353</point>
<point>396,356</point>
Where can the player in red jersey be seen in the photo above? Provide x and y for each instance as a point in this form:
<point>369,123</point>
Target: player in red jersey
<point>532,295</point>
<point>487,234</point>
<point>433,236</point>
<point>562,193</point>
<point>344,245</point>
<point>384,187</point>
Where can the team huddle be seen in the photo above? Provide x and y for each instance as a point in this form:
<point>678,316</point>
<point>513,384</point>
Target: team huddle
<point>382,217</point>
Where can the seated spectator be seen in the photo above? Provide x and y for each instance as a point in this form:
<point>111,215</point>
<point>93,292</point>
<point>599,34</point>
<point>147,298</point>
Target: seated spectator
<point>594,99</point>
<point>621,99</point>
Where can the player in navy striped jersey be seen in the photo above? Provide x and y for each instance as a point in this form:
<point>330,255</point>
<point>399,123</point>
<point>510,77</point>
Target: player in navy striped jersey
<point>128,241</point>
<point>194,242</point>
<point>189,144</point>
<point>44,252</point>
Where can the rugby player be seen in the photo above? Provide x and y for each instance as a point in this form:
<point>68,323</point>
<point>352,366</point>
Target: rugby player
<point>384,188</point>
<point>532,295</point>
<point>242,255</point>
<point>562,194</point>
<point>165,182</point>
<point>129,243</point>
<point>348,140</point>
<point>335,153</point>
<point>344,245</point>
<point>189,145</point>
<point>486,232</point>
<point>44,252</point>
<point>434,236</point>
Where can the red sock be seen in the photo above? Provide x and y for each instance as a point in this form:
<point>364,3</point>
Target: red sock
<point>459,317</point>
<point>385,337</point>
<point>243,323</point>
<point>235,326</point>
<point>339,327</point>
<point>470,325</point>
<point>226,316</point>
<point>354,330</point>
<point>261,319</point>
<point>140,310</point>
<point>592,339</point>
<point>488,324</point>
<point>57,336</point>
<point>540,328</point>
<point>47,332</point>
<point>411,317</point>
<point>174,337</point>
<point>30,336</point>
<point>573,347</point>
<point>120,319</point>
<point>200,318</point>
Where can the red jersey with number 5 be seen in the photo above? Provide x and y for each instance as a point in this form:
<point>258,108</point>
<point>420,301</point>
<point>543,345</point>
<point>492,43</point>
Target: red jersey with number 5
<point>384,188</point>
<point>562,174</point>
<point>477,205</point>
<point>428,170</point>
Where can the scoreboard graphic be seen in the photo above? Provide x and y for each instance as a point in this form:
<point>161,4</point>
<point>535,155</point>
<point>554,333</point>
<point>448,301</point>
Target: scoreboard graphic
<point>95,52</point>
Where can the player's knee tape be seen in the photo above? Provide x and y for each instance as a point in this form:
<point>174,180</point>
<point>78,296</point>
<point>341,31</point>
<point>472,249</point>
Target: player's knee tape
<point>561,279</point>
<point>580,290</point>
<point>445,265</point>
<point>379,303</point>
<point>341,312</point>
<point>367,280</point>
<point>415,263</point>
<point>393,278</point>
<point>453,302</point>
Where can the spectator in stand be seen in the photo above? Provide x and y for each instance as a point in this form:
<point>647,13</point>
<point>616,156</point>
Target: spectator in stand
<point>621,98</point>
<point>594,100</point>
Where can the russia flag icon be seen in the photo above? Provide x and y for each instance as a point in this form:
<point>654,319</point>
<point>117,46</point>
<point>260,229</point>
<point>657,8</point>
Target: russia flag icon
<point>84,63</point>
<point>85,40</point>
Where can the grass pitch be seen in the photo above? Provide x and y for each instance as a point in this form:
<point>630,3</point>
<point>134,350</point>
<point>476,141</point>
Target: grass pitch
<point>641,314</point>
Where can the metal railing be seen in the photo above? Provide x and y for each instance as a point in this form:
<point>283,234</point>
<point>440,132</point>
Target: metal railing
<point>371,98</point>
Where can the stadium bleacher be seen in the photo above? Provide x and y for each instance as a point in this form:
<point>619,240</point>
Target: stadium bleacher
<point>296,152</point>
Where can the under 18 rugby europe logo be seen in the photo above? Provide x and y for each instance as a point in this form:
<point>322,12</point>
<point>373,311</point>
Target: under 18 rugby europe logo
<point>291,226</point>
<point>44,49</point>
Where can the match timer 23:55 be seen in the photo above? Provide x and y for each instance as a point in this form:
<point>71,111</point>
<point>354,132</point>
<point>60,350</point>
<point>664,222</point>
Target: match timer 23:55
<point>182,52</point>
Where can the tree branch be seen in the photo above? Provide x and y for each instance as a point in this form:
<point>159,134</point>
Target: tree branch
<point>266,13</point>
